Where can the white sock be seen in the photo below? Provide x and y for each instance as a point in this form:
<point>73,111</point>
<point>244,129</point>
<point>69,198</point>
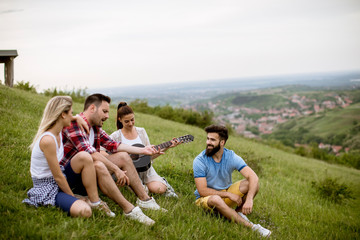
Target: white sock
<point>94,204</point>
<point>244,217</point>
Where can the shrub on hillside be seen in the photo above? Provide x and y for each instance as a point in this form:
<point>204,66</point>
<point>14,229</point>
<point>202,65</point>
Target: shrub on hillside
<point>330,189</point>
<point>76,95</point>
<point>200,119</point>
<point>301,151</point>
<point>337,139</point>
<point>26,86</point>
<point>351,159</point>
<point>318,153</point>
<point>253,129</point>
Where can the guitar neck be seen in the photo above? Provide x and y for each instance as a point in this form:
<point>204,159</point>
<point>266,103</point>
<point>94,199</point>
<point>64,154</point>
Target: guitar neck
<point>164,145</point>
<point>187,138</point>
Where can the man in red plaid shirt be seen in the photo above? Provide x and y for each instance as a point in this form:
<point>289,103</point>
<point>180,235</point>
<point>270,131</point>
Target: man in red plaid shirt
<point>96,112</point>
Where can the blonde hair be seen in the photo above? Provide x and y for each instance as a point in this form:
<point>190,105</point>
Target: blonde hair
<point>53,110</point>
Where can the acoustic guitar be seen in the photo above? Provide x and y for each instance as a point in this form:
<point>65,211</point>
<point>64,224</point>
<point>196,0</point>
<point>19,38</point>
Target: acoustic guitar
<point>143,162</point>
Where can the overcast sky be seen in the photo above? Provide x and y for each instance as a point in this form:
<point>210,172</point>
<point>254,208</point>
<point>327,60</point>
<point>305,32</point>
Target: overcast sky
<point>91,43</point>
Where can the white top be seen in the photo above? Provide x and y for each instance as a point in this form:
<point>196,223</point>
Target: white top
<point>39,167</point>
<point>92,137</point>
<point>128,141</point>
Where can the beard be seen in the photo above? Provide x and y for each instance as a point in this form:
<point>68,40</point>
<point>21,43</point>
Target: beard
<point>98,121</point>
<point>101,122</point>
<point>213,151</point>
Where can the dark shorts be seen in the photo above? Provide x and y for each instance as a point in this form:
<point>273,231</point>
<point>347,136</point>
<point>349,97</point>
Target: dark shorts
<point>64,201</point>
<point>74,180</point>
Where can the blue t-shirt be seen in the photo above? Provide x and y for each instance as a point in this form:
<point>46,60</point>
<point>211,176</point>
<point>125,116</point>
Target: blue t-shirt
<point>218,175</point>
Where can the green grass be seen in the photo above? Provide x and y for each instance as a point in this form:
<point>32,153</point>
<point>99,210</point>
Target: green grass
<point>263,101</point>
<point>338,127</point>
<point>336,121</point>
<point>287,203</point>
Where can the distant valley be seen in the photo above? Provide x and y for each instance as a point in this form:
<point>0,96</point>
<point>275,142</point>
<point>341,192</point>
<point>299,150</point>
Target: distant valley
<point>271,107</point>
<point>180,94</point>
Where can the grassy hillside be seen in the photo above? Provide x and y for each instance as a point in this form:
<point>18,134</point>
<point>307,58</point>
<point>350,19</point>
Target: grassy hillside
<point>287,203</point>
<point>342,122</point>
<point>260,101</point>
<point>337,121</point>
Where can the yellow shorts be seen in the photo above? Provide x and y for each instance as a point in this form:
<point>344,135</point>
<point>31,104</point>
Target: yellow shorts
<point>234,188</point>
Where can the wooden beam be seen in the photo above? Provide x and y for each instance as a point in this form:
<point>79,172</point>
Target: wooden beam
<point>9,72</point>
<point>7,57</point>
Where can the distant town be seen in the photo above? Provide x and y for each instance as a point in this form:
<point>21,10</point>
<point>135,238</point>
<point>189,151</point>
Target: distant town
<point>253,122</point>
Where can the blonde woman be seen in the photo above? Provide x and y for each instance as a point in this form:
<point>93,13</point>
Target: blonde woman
<point>50,184</point>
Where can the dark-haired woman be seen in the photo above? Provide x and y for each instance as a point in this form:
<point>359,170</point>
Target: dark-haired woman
<point>129,134</point>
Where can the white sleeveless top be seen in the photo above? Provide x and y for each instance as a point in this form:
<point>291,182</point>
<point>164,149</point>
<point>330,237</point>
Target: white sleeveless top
<point>128,141</point>
<point>39,167</point>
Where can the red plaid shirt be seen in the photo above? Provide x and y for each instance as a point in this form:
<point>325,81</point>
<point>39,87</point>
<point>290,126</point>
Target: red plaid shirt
<point>76,141</point>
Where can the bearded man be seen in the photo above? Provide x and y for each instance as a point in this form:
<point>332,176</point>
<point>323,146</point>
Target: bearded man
<point>213,169</point>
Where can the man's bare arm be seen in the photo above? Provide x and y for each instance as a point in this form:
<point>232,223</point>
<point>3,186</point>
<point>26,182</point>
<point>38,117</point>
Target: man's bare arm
<point>253,180</point>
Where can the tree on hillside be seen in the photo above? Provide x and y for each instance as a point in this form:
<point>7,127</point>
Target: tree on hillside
<point>201,119</point>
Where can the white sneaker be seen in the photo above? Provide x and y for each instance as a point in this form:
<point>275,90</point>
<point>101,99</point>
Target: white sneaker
<point>261,230</point>
<point>150,204</point>
<point>244,217</point>
<point>138,215</point>
<point>102,207</point>
<point>170,192</point>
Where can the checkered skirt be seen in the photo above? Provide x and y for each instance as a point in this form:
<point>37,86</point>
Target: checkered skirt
<point>43,192</point>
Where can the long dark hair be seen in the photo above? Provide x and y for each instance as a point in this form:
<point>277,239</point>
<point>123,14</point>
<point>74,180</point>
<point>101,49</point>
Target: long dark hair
<point>122,110</point>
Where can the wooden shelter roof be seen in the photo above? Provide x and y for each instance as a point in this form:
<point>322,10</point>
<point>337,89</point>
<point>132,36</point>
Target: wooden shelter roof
<point>8,53</point>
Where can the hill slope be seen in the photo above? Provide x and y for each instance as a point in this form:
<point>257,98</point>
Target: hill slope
<point>342,123</point>
<point>286,203</point>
